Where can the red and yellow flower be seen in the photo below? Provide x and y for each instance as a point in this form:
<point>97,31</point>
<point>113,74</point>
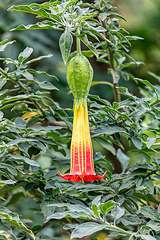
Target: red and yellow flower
<point>82,167</point>
<point>79,77</point>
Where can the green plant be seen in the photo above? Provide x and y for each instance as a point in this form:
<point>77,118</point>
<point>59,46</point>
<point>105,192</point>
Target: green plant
<point>35,142</point>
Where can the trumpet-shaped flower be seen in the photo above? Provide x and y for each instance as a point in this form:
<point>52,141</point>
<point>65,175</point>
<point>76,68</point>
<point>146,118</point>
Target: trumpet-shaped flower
<point>82,167</point>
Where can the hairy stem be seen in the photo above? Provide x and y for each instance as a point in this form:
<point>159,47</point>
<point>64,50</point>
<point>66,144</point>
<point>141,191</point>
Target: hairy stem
<point>117,96</point>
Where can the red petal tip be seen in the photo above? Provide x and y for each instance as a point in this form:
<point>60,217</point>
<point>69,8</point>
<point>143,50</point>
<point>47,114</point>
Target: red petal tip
<point>84,178</point>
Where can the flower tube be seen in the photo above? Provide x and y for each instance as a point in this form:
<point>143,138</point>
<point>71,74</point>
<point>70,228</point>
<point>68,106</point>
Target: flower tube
<point>79,76</point>
<point>82,167</point>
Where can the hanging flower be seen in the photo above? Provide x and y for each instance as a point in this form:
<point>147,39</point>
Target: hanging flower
<point>79,76</point>
<point>82,167</point>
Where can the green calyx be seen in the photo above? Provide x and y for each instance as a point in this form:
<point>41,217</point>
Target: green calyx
<point>79,76</point>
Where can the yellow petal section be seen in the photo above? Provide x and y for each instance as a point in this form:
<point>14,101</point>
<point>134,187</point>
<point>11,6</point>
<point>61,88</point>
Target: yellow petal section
<point>81,146</point>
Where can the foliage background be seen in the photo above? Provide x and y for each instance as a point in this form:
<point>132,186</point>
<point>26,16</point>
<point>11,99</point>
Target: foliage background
<point>142,21</point>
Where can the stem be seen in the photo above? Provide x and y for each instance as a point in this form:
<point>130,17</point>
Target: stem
<point>155,102</point>
<point>116,93</point>
<point>117,229</point>
<point>78,42</point>
<point>100,1</point>
<point>131,237</point>
<point>132,113</point>
<point>101,82</point>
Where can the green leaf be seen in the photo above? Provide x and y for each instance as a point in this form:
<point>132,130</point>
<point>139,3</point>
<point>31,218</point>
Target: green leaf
<point>130,220</point>
<point>25,159</point>
<point>41,73</point>
<point>38,25</point>
<point>45,85</point>
<point>37,59</point>
<point>106,130</point>
<point>6,232</point>
<point>118,15</point>
<point>75,211</point>
<point>137,142</point>
<point>14,98</point>
<point>127,184</point>
<point>96,201</point>
<point>9,168</point>
<point>150,212</point>
<point>86,229</point>
<point>3,45</point>
<point>149,185</point>
<point>29,9</point>
<point>65,43</point>
<point>125,91</point>
<point>7,61</point>
<point>150,141</point>
<point>154,225</point>
<point>108,206</point>
<point>155,76</point>
<point>147,83</point>
<point>117,212</point>
<point>47,209</point>
<point>150,197</point>
<point>25,54</point>
<point>115,105</point>
<point>14,220</point>
<point>25,74</point>
<point>115,76</point>
<point>20,122</point>
<point>103,16</point>
<point>2,82</point>
<point>106,145</point>
<point>70,226</point>
<point>71,214</point>
<point>69,206</point>
<point>146,237</point>
<point>101,100</point>
<point>133,38</point>
<point>103,160</point>
<point>95,210</point>
<point>45,5</point>
<point>132,64</point>
<point>1,115</point>
<point>4,182</point>
<point>84,39</point>
<point>123,158</point>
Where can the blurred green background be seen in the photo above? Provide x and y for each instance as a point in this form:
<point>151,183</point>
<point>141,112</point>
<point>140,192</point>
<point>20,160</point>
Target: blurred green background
<point>143,20</point>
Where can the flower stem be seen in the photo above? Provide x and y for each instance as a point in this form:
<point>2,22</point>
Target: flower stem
<point>78,42</point>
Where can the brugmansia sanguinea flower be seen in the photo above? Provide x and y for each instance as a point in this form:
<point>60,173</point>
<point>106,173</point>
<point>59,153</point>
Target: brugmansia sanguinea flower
<point>79,76</point>
<point>82,167</point>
